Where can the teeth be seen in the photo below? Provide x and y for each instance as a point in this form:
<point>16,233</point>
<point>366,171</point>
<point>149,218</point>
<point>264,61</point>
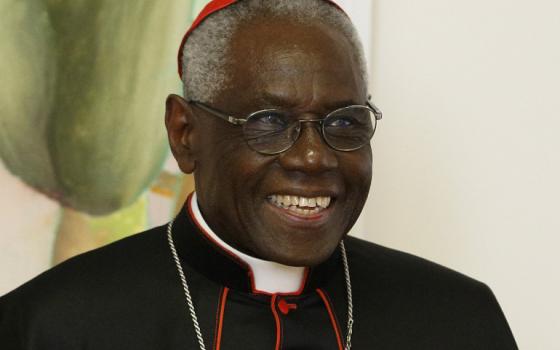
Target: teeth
<point>301,205</point>
<point>295,200</point>
<point>312,202</point>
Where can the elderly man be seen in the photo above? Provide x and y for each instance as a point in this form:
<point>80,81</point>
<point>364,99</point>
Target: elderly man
<point>275,126</point>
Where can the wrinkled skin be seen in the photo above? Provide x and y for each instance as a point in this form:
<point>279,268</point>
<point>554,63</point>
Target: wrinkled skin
<point>307,69</point>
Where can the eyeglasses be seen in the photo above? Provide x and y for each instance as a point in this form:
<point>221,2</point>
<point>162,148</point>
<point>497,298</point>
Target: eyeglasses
<point>273,131</point>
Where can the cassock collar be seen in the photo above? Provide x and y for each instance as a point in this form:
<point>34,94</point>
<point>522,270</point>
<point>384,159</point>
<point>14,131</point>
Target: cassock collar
<point>268,276</point>
<point>199,247</point>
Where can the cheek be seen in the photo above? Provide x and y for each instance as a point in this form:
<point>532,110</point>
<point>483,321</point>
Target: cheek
<point>356,168</point>
<point>217,166</point>
<point>220,155</point>
<point>357,171</point>
<point>241,171</point>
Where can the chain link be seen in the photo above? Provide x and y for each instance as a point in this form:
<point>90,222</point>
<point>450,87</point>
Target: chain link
<point>185,286</point>
<point>348,296</point>
<point>190,303</point>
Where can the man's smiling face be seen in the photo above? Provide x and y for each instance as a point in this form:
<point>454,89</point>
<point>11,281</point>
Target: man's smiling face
<point>308,70</point>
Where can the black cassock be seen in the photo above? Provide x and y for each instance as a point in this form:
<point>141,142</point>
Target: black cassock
<point>127,295</point>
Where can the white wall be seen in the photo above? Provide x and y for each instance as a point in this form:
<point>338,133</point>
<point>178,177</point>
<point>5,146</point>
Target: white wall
<point>466,159</point>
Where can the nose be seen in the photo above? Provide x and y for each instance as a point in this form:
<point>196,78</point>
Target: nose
<point>310,153</point>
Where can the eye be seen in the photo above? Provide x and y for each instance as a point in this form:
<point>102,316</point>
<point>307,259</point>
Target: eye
<point>272,118</point>
<point>342,122</point>
<point>269,120</point>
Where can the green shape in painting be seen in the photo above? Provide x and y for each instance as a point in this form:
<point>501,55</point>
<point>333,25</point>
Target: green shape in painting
<point>82,112</point>
<point>106,135</point>
<point>28,75</point>
<point>123,222</point>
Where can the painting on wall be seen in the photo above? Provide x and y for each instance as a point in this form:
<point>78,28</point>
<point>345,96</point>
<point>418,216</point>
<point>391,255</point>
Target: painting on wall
<point>81,122</point>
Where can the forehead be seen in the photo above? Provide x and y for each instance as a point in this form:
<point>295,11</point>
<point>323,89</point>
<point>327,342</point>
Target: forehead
<point>292,61</point>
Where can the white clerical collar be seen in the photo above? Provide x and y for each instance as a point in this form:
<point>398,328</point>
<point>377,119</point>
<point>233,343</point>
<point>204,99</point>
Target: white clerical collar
<point>269,276</point>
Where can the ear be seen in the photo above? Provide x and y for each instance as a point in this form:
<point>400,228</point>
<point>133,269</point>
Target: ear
<point>179,121</point>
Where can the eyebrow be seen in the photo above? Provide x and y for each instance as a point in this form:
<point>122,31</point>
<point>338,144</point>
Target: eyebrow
<point>272,100</point>
<point>343,103</point>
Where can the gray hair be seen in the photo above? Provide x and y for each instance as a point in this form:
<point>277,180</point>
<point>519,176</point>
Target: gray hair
<point>205,52</point>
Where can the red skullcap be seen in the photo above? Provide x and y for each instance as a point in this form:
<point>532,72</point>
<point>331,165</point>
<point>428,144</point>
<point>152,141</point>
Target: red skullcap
<point>210,8</point>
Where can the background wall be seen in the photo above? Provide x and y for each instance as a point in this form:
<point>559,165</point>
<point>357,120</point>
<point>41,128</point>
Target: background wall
<point>466,159</point>
<point>466,162</point>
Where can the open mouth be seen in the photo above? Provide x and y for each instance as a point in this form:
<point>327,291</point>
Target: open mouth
<point>301,206</point>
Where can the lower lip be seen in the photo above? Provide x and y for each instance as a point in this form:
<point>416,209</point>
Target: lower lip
<point>316,218</point>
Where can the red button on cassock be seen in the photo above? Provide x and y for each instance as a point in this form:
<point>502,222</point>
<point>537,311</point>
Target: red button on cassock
<point>285,307</point>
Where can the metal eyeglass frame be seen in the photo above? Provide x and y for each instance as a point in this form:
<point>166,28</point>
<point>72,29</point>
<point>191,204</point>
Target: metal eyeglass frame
<point>240,121</point>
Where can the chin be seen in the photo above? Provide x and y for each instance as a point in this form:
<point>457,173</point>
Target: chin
<point>300,255</point>
<point>295,236</point>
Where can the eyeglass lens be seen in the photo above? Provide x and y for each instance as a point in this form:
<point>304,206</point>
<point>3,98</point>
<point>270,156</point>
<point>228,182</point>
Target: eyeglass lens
<point>275,131</point>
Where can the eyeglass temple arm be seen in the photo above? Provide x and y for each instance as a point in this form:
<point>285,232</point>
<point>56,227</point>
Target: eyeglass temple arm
<point>376,111</point>
<point>226,117</point>
<point>239,121</point>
